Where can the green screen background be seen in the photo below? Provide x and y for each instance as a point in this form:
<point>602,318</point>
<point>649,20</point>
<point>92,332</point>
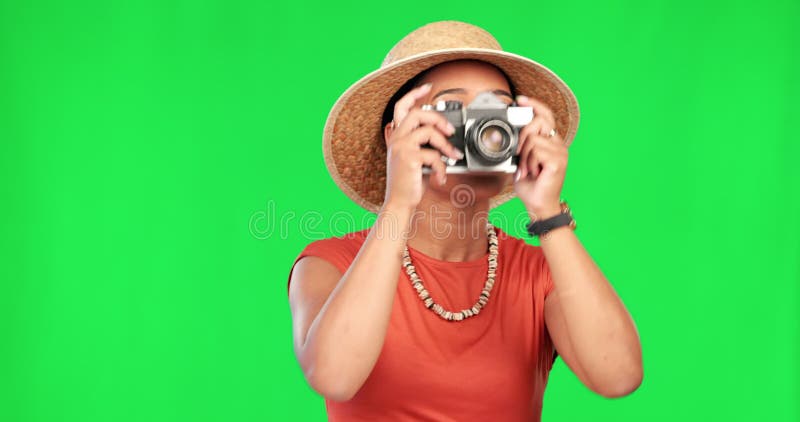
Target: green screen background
<point>149,150</point>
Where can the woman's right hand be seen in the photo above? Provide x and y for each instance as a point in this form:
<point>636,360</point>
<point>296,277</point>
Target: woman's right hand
<point>414,128</point>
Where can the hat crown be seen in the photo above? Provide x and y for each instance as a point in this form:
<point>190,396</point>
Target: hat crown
<point>439,36</point>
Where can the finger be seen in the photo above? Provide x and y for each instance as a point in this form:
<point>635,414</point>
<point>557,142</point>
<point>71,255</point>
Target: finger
<point>534,160</point>
<point>545,160</point>
<point>538,126</point>
<point>522,163</point>
<point>535,145</point>
<point>541,142</point>
<point>431,135</point>
<point>545,153</point>
<point>433,159</point>
<point>555,155</point>
<point>539,108</point>
<point>406,103</point>
<point>524,150</point>
<point>418,117</point>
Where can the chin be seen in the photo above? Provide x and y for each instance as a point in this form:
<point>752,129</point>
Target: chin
<point>479,186</point>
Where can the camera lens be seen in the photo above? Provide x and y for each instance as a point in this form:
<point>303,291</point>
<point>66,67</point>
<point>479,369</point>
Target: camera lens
<point>492,141</point>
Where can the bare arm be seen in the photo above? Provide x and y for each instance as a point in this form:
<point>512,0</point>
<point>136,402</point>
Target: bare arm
<point>340,320</point>
<point>589,324</point>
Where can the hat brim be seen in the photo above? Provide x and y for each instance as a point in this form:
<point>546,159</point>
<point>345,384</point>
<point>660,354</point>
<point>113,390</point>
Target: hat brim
<point>352,142</point>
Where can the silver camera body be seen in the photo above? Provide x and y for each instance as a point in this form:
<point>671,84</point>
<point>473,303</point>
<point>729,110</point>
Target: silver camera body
<point>487,130</point>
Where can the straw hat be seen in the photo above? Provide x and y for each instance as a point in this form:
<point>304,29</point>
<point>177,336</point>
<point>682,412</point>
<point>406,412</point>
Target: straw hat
<point>352,142</point>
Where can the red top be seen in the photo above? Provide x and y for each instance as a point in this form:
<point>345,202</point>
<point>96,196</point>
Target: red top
<point>492,366</point>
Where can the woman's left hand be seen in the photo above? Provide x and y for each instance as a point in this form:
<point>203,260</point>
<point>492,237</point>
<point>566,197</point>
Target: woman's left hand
<point>542,164</point>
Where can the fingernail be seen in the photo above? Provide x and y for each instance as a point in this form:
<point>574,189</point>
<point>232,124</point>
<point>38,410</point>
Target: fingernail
<point>522,98</point>
<point>516,176</point>
<point>450,128</point>
<point>459,154</point>
<point>443,181</point>
<point>426,86</point>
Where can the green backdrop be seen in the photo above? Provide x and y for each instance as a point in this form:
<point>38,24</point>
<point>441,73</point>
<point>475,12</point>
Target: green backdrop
<point>151,149</point>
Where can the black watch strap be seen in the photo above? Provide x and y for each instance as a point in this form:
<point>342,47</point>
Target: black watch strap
<point>537,228</point>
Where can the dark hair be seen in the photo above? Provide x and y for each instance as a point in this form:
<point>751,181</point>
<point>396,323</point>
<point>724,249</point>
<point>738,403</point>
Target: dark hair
<point>388,112</point>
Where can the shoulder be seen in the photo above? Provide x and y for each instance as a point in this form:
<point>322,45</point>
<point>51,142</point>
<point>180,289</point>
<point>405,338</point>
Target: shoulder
<point>347,241</point>
<point>518,247</point>
<point>340,251</point>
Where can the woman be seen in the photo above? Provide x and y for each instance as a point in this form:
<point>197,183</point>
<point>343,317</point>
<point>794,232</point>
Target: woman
<point>432,313</point>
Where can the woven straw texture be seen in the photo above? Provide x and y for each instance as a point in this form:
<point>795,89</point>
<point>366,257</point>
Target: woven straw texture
<point>353,145</point>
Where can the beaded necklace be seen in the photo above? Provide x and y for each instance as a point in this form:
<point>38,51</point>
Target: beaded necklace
<point>416,283</point>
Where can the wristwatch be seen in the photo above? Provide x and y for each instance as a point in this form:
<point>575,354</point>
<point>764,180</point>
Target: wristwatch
<point>540,227</point>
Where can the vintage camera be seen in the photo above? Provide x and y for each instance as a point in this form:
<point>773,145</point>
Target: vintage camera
<point>487,130</point>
